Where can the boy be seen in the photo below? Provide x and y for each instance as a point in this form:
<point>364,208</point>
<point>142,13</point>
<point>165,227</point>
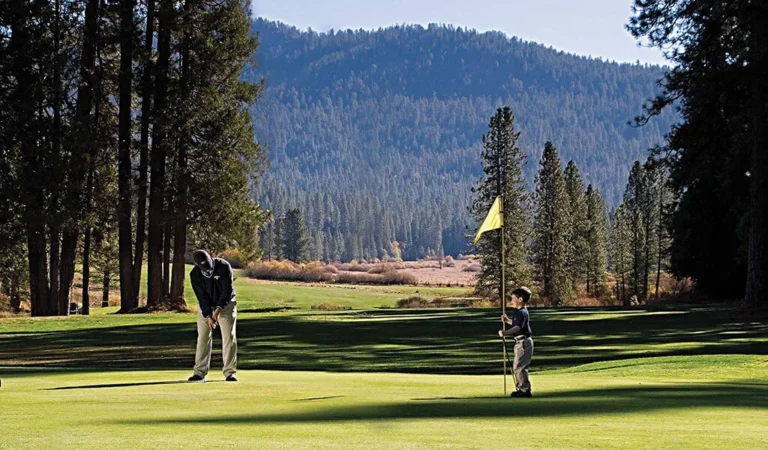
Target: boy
<point>521,331</point>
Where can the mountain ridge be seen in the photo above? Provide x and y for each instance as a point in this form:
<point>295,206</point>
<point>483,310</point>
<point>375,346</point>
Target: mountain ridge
<point>398,114</point>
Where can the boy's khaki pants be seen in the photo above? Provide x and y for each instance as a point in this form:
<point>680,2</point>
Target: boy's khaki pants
<point>523,355</point>
<point>228,325</point>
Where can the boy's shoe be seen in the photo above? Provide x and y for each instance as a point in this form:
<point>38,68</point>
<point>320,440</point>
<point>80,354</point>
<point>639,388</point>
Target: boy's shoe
<point>232,378</point>
<point>196,379</point>
<point>521,394</point>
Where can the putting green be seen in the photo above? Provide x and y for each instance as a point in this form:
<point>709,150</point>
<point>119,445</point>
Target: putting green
<point>710,401</point>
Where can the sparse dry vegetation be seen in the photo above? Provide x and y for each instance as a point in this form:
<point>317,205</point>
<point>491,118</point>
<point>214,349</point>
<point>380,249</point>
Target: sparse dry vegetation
<point>416,302</point>
<point>315,272</point>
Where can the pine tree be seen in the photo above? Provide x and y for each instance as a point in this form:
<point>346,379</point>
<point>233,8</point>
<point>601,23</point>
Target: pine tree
<point>596,264</point>
<point>578,224</point>
<point>633,201</point>
<point>662,201</point>
<point>716,46</point>
<point>551,229</point>
<point>621,252</point>
<point>295,239</point>
<point>278,238</point>
<point>502,163</point>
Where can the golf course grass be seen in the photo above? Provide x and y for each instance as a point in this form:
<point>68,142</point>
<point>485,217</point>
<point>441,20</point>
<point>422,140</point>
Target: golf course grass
<point>376,377</point>
<point>680,402</point>
<point>265,295</point>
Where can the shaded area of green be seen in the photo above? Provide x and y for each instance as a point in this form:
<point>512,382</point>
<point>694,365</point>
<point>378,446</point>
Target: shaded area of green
<point>574,403</point>
<point>414,341</point>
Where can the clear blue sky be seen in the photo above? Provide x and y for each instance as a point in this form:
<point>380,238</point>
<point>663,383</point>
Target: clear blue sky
<point>585,27</point>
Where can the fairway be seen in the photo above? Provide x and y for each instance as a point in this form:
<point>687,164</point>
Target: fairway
<point>680,402</point>
<point>269,295</point>
<point>654,377</point>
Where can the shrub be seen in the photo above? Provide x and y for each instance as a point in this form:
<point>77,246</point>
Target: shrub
<point>412,302</point>
<point>449,262</point>
<point>288,271</point>
<point>314,265</point>
<point>472,268</point>
<point>330,306</point>
<point>395,277</point>
<point>331,269</point>
<point>420,302</point>
<point>5,303</point>
<point>386,267</point>
<point>235,257</point>
<point>355,267</point>
<point>357,278</point>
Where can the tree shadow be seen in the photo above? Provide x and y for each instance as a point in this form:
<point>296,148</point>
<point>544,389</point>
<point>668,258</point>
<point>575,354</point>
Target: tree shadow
<point>577,403</point>
<point>314,399</point>
<point>448,341</point>
<point>122,385</point>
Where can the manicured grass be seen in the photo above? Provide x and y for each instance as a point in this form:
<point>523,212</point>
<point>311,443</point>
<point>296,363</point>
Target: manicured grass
<point>656,377</point>
<point>261,295</point>
<point>675,402</point>
<point>456,341</point>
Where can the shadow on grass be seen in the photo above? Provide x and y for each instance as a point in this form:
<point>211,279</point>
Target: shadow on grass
<point>314,399</point>
<point>122,385</point>
<point>557,404</point>
<point>455,341</point>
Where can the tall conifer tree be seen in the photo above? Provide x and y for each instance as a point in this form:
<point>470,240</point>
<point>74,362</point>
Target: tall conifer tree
<point>551,229</point>
<point>502,163</point>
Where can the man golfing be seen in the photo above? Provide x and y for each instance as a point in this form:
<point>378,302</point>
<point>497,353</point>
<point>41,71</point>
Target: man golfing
<point>521,332</point>
<point>212,281</point>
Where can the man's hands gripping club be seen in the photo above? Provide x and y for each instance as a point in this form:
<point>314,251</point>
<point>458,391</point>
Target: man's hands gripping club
<point>213,321</point>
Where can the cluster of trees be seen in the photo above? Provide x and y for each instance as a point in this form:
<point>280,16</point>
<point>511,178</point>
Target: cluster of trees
<point>351,115</point>
<point>640,240</point>
<point>126,131</point>
<point>717,156</point>
<point>558,236</point>
<point>365,225</point>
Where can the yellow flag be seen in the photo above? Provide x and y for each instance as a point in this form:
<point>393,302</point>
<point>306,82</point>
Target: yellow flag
<point>493,220</point>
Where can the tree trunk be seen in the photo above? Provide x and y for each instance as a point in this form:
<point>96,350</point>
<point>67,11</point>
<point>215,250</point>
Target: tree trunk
<point>15,295</point>
<point>80,158</point>
<point>86,308</point>
<point>38,276</point>
<point>661,233</point>
<point>146,117</point>
<point>54,231</point>
<point>105,288</point>
<point>66,269</point>
<point>176,297</point>
<point>129,299</point>
<point>157,159</point>
<point>32,191</point>
<point>167,258</point>
<point>757,267</point>
<point>55,253</point>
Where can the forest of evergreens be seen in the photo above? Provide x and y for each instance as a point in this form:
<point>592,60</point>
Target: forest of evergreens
<point>375,135</point>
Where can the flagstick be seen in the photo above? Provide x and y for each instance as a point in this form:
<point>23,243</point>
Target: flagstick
<point>503,297</point>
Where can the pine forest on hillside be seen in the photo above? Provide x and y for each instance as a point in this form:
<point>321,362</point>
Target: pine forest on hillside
<point>375,135</point>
